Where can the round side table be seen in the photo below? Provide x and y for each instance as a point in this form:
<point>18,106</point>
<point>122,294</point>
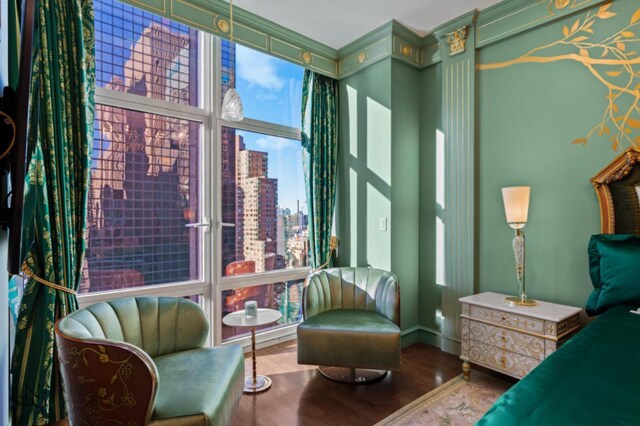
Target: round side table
<point>253,383</point>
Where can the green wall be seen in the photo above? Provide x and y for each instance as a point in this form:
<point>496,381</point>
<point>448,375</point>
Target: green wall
<point>528,114</point>
<point>430,123</point>
<point>378,169</point>
<point>405,189</point>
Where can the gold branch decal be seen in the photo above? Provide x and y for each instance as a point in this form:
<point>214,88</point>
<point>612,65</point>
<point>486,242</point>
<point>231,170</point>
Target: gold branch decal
<point>613,61</point>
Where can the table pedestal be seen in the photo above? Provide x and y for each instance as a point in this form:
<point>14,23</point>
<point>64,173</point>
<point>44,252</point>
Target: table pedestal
<point>255,383</point>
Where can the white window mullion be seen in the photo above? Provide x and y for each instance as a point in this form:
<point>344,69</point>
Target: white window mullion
<point>216,190</point>
<point>149,105</point>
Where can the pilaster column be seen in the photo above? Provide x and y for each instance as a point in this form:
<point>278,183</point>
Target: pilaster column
<point>458,53</point>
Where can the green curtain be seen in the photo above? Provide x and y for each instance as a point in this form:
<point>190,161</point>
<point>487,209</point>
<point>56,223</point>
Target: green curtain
<point>320,158</point>
<point>56,189</point>
<point>13,27</point>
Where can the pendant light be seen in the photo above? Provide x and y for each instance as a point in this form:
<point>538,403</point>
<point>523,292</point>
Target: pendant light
<point>231,103</point>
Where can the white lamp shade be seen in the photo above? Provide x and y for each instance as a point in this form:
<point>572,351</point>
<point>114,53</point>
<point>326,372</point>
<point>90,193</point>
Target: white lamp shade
<point>516,203</point>
<point>232,106</point>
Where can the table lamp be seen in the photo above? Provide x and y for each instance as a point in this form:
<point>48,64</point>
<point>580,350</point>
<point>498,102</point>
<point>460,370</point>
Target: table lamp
<point>516,207</point>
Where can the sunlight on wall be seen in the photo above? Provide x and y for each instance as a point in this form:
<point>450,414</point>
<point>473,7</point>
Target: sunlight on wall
<point>379,140</point>
<point>440,207</point>
<point>352,100</point>
<point>378,243</point>
<point>353,216</point>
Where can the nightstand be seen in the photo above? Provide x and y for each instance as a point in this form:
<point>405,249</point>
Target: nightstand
<point>512,340</point>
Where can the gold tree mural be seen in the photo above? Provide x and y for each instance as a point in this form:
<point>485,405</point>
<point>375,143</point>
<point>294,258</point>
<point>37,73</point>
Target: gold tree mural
<point>612,60</point>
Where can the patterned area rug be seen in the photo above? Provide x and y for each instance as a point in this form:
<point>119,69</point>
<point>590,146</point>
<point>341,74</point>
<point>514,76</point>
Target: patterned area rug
<point>455,403</point>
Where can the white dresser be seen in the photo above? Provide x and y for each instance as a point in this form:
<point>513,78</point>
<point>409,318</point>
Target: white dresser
<point>512,340</point>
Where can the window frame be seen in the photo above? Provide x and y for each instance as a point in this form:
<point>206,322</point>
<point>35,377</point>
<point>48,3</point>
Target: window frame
<point>212,282</point>
<point>204,116</point>
<point>222,283</point>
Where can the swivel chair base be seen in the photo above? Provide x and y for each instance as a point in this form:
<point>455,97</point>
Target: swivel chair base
<point>355,376</point>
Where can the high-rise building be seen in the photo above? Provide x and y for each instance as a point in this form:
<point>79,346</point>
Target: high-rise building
<point>228,147</point>
<point>257,203</point>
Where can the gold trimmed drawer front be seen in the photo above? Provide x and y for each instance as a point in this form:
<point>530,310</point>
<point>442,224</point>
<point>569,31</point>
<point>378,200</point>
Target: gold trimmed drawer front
<point>499,359</point>
<point>513,341</point>
<point>495,316</point>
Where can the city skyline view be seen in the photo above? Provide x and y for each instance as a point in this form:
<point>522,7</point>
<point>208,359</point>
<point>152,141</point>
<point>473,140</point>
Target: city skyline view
<point>146,175</point>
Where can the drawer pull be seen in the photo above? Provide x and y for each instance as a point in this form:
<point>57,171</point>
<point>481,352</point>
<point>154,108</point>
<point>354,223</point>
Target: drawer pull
<point>504,339</point>
<point>503,318</point>
<point>503,360</point>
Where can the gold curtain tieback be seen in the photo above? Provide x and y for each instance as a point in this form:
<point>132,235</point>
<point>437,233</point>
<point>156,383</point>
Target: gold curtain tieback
<point>28,273</point>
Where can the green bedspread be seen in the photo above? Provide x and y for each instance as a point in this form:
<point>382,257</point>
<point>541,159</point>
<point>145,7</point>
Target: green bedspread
<point>594,379</point>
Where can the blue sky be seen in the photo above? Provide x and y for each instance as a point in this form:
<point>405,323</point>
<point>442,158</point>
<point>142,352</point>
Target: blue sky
<point>270,88</point>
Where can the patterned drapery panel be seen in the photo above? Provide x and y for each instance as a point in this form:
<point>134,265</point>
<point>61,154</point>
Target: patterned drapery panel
<point>320,157</point>
<point>56,186</point>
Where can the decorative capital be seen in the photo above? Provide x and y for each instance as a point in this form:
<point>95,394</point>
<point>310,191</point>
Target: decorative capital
<point>457,41</point>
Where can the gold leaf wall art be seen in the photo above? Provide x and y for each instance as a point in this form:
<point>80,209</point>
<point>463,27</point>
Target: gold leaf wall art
<point>612,59</point>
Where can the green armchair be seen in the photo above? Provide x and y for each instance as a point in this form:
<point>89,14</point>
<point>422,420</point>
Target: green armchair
<point>351,323</point>
<point>141,361</point>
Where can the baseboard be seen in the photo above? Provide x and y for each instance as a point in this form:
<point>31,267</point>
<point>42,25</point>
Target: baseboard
<point>420,334</point>
<point>451,345</point>
<point>431,337</point>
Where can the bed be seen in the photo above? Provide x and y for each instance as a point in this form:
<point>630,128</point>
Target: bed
<point>594,379</point>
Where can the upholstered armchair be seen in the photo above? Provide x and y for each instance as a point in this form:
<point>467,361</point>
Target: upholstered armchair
<point>351,321</point>
<point>141,361</point>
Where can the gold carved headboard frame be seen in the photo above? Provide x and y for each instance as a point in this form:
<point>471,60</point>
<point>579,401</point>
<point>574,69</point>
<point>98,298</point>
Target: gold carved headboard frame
<point>619,169</point>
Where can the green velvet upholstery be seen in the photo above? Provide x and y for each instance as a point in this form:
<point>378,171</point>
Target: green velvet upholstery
<point>614,266</point>
<point>195,385</point>
<point>351,319</point>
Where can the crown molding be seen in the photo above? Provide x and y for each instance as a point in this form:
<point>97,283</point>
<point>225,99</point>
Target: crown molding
<point>509,18</point>
<point>391,40</point>
<point>467,19</point>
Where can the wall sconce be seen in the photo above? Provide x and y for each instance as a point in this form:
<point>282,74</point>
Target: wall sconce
<point>516,207</point>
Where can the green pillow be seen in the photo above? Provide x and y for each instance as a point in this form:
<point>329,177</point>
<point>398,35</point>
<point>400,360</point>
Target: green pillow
<point>614,266</point>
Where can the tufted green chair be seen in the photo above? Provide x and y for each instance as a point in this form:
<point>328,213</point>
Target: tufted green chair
<point>141,360</point>
<point>351,321</point>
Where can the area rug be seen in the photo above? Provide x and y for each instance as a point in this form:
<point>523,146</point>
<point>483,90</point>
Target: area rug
<point>455,403</point>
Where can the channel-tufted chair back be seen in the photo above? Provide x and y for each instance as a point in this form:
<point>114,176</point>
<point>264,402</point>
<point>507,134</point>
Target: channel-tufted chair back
<point>157,325</point>
<point>359,288</point>
<point>142,360</point>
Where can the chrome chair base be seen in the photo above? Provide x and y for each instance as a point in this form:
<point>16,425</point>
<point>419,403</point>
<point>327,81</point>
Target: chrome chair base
<point>356,376</point>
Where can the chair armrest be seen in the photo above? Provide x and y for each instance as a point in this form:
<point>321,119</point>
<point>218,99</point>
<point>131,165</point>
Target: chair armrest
<point>106,382</point>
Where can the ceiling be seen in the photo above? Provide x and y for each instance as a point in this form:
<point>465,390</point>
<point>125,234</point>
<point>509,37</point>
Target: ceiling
<point>337,23</point>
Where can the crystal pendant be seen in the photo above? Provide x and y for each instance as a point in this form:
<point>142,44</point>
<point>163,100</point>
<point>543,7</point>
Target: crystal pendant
<point>232,106</point>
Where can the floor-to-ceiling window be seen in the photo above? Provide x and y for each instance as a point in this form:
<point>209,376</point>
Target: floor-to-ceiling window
<point>183,203</point>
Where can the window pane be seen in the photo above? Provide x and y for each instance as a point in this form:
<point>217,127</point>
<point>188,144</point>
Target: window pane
<point>144,189</point>
<point>144,54</point>
<point>264,209</point>
<point>270,88</point>
<point>285,297</point>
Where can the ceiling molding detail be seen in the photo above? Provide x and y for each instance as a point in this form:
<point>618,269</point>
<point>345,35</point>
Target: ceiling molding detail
<point>392,40</point>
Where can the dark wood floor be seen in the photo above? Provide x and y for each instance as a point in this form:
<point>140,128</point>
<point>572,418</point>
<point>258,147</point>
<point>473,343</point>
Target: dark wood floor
<point>299,395</point>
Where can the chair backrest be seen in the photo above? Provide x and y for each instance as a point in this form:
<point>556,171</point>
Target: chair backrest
<point>359,288</point>
<point>105,382</point>
<point>157,325</point>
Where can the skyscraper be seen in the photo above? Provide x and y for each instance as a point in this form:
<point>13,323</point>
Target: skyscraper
<point>257,202</point>
<point>228,147</point>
